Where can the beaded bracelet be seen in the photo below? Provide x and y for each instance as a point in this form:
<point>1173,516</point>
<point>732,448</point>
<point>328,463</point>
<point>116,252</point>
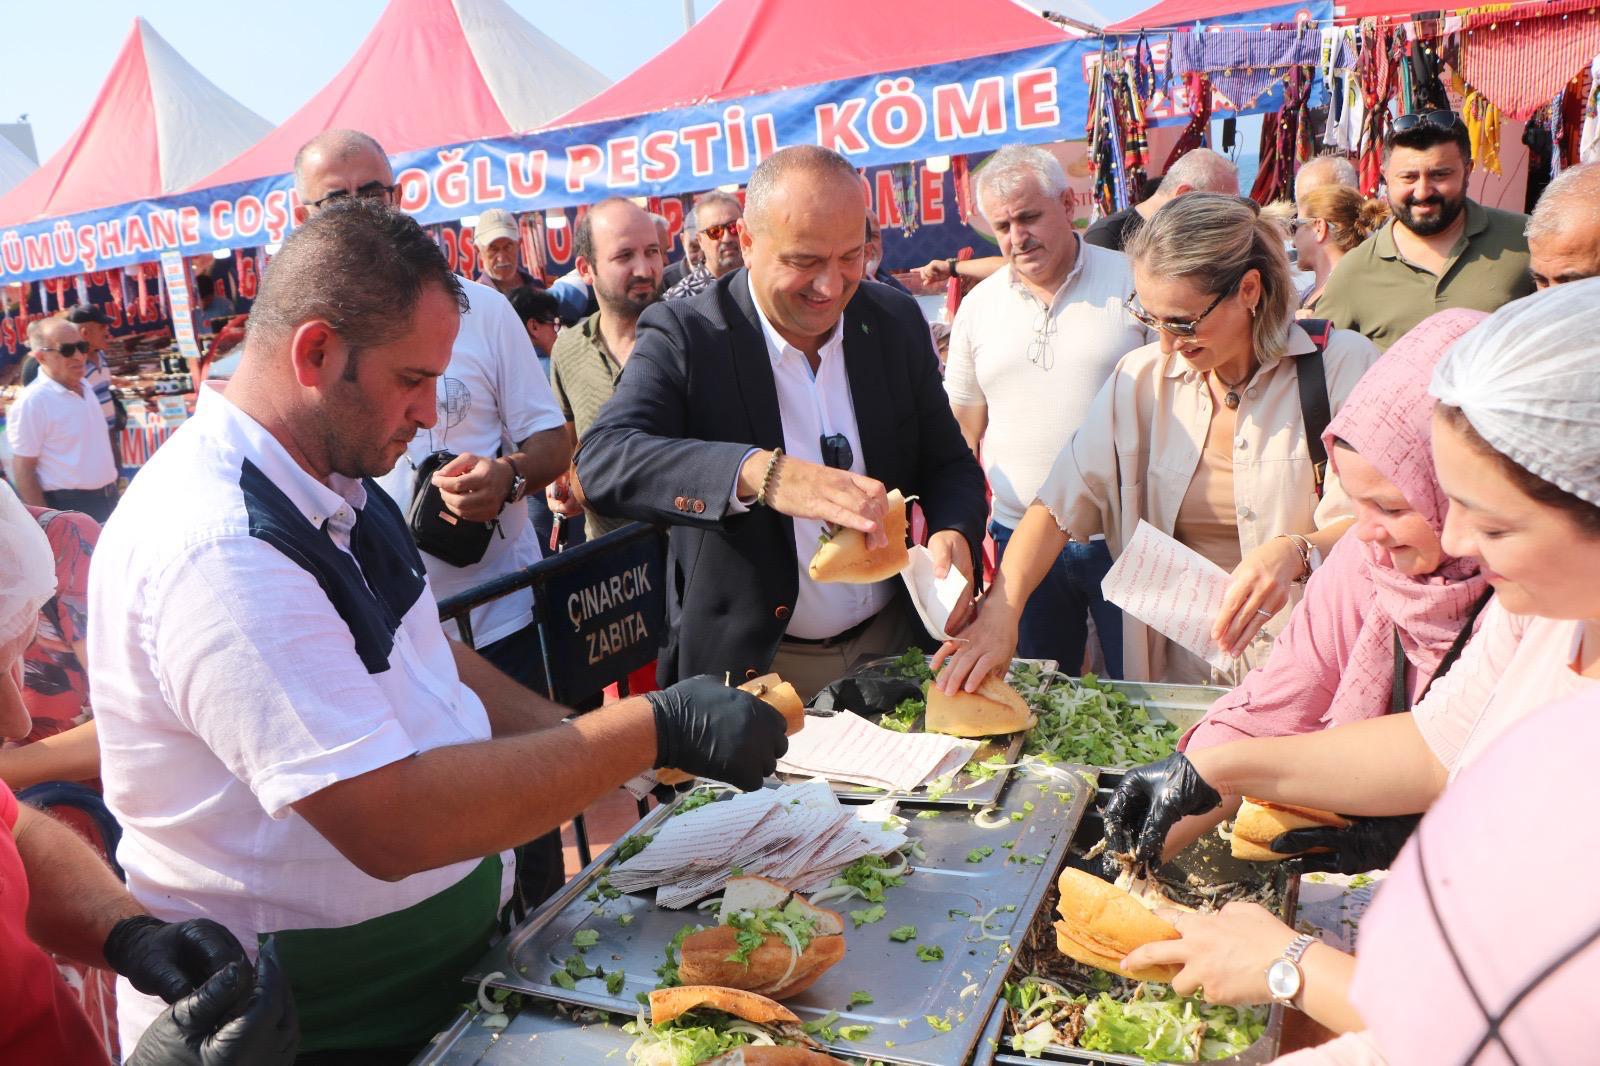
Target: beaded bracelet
<point>766,478</point>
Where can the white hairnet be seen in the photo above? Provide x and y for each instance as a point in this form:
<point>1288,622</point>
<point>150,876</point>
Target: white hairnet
<point>27,575</point>
<point>1528,380</point>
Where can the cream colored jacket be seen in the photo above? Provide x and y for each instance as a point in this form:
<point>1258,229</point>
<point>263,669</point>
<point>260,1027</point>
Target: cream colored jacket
<point>1140,446</point>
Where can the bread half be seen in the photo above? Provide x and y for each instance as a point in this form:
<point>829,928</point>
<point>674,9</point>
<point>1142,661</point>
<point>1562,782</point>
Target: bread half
<point>769,689</point>
<point>1100,924</point>
<point>667,1003</point>
<point>1259,823</point>
<point>772,969</point>
<point>763,1055</point>
<point>844,557</point>
<point>994,709</point>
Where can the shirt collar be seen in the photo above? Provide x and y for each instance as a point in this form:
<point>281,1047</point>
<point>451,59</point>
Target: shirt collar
<point>777,346</point>
<point>1066,283</point>
<point>319,503</point>
<point>1477,222</point>
<point>48,382</point>
<point>1299,343</point>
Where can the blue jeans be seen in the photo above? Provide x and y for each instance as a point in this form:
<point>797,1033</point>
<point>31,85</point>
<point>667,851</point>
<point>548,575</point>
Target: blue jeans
<point>1053,623</point>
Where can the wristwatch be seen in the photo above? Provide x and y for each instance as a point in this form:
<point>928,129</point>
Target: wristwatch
<point>518,484</point>
<point>1284,977</point>
<point>951,263</point>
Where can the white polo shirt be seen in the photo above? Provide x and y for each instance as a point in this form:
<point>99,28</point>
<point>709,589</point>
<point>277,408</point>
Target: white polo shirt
<point>254,637</point>
<point>1037,368</point>
<point>493,396</point>
<point>65,431</point>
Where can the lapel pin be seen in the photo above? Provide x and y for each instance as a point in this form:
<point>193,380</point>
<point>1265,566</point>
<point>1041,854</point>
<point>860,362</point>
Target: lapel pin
<point>865,328</point>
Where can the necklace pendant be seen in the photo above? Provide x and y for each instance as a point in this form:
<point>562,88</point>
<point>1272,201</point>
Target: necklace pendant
<point>1231,400</point>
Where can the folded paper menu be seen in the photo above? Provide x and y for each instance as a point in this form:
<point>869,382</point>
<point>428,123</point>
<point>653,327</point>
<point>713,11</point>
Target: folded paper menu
<point>1171,588</point>
<point>847,747</point>
<point>799,834</point>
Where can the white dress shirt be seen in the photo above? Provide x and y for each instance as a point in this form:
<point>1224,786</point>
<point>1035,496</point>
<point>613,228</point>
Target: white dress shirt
<point>65,431</point>
<point>812,406</point>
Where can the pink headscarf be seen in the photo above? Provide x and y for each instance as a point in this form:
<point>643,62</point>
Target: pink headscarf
<point>1387,421</point>
<point>1490,911</point>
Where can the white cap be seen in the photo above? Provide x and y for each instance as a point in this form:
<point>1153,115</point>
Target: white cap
<point>493,224</point>
<point>1528,380</point>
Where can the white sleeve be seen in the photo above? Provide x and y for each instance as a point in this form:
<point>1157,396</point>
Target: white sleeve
<point>1454,704</point>
<point>24,430</point>
<point>527,405</point>
<point>230,626</point>
<point>960,368</point>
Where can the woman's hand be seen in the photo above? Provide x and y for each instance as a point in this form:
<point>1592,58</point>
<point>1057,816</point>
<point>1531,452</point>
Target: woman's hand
<point>985,647</point>
<point>1225,954</point>
<point>1260,589</point>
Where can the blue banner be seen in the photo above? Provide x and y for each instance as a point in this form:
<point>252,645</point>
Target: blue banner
<point>1031,95</point>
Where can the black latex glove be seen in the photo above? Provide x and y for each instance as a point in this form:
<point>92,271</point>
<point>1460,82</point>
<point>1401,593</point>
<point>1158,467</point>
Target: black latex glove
<point>1150,801</point>
<point>170,959</point>
<point>1366,844</point>
<point>866,694</point>
<point>231,1020</point>
<point>711,729</point>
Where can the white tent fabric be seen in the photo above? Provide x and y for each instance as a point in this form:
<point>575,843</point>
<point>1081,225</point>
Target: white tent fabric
<point>197,124</point>
<point>531,77</point>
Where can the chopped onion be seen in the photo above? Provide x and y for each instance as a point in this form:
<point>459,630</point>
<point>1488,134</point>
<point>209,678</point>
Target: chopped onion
<point>794,949</point>
<point>714,901</point>
<point>489,1006</point>
<point>495,1021</point>
<point>983,820</point>
<point>756,1035</point>
<point>834,892</point>
<point>983,929</point>
<point>970,990</point>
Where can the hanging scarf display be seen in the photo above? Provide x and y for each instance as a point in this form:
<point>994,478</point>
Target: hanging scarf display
<point>1244,65</point>
<point>1423,70</point>
<point>1197,87</point>
<point>1523,57</point>
<point>1290,144</point>
<point>961,179</point>
<point>1589,146</point>
<point>1536,135</point>
<point>1483,128</point>
<point>1569,113</point>
<point>903,177</point>
<point>1346,104</point>
<point>1373,66</point>
<point>1116,128</point>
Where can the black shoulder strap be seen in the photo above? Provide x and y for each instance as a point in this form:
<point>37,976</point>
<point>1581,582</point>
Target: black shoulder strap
<point>1315,409</point>
<point>1460,643</point>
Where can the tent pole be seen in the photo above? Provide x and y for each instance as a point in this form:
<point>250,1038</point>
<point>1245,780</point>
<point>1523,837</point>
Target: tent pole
<point>688,15</point>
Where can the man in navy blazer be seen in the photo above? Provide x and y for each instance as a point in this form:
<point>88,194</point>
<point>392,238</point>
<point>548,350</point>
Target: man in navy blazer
<point>788,395</point>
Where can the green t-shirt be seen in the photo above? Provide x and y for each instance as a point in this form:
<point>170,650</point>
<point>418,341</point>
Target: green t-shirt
<point>1375,291</point>
<point>583,376</point>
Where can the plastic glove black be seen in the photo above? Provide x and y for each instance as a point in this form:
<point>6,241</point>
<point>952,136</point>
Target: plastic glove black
<point>228,1021</point>
<point>1150,801</point>
<point>1365,844</point>
<point>170,959</point>
<point>708,728</point>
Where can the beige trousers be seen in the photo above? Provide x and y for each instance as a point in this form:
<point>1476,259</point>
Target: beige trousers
<point>809,667</point>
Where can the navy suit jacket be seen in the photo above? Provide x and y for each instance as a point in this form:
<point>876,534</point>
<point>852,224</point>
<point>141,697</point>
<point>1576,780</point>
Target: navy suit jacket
<point>697,394</point>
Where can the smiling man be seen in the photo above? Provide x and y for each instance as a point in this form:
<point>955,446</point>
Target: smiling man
<point>1442,249</point>
<point>787,395</point>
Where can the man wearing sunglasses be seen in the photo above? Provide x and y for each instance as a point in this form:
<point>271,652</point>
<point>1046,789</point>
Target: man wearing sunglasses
<point>1442,250</point>
<point>61,455</point>
<point>717,216</point>
<point>787,397</point>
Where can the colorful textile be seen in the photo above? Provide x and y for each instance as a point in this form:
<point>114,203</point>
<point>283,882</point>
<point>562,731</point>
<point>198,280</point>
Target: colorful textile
<point>1521,58</point>
<point>1244,65</point>
<point>1483,127</point>
<point>55,685</point>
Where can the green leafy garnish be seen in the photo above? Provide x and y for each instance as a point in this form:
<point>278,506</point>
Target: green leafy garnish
<point>930,952</point>
<point>1082,722</point>
<point>584,939</point>
<point>912,665</point>
<point>668,971</point>
<point>904,716</point>
<point>625,919</point>
<point>614,981</point>
<point>564,979</point>
<point>1360,881</point>
<point>693,801</point>
<point>860,999</point>
<point>936,1022</point>
<point>867,874</point>
<point>869,915</point>
<point>633,846</point>
<point>904,933</point>
<point>854,1032</point>
<point>978,854</point>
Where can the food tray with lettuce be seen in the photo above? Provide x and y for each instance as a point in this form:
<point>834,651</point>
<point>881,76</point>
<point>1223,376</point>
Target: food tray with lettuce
<point>929,932</point>
<point>1055,1009</point>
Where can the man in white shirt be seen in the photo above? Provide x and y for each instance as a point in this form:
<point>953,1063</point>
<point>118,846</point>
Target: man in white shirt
<point>288,740</point>
<point>96,329</point>
<point>496,414</point>
<point>61,455</point>
<point>1030,347</point>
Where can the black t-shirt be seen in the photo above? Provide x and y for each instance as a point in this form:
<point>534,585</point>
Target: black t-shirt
<point>1115,230</point>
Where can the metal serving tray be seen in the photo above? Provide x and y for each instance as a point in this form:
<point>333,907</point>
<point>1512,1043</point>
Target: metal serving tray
<point>966,789</point>
<point>1181,705</point>
<point>957,991</point>
<point>536,1034</point>
<point>991,1049</point>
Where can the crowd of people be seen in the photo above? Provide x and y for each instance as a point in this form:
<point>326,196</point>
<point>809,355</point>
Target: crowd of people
<point>327,799</point>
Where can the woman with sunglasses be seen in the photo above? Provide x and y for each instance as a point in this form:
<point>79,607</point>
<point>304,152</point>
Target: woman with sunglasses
<point>1333,219</point>
<point>1202,435</point>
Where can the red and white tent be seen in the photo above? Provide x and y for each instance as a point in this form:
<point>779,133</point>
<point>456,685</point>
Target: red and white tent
<point>431,72</point>
<point>156,126</point>
<point>744,47</point>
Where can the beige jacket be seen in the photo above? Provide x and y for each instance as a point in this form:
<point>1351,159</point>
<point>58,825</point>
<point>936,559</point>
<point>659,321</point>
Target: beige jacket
<point>1140,446</point>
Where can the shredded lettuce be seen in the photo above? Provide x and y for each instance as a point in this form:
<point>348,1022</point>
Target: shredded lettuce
<point>867,874</point>
<point>1157,1024</point>
<point>1082,722</point>
<point>913,666</point>
<point>688,1039</point>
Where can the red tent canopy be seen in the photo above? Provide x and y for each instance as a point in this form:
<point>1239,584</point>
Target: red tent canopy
<point>745,47</point>
<point>156,125</point>
<point>432,72</point>
<point>1184,12</point>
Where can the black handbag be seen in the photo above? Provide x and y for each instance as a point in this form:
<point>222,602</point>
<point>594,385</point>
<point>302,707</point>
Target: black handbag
<point>438,530</point>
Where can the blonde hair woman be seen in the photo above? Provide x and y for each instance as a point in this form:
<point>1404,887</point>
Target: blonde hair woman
<point>1333,220</point>
<point>1201,434</point>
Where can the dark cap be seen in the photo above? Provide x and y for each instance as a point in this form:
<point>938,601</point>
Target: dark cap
<point>87,313</point>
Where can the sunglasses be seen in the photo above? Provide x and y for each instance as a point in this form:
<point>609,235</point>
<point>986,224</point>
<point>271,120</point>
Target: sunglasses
<point>716,232</point>
<point>372,190</point>
<point>836,451</point>
<point>70,349</point>
<point>1175,327</point>
<point>1444,120</point>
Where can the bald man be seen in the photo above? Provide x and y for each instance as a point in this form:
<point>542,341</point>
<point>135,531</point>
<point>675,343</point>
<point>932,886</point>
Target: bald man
<point>1564,229</point>
<point>787,396</point>
<point>1325,170</point>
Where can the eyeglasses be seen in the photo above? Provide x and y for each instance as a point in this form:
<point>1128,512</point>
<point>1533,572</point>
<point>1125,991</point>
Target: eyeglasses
<point>1041,349</point>
<point>716,232</point>
<point>1444,120</point>
<point>372,190</point>
<point>1169,326</point>
<point>836,451</point>
<point>1295,224</point>
<point>70,349</point>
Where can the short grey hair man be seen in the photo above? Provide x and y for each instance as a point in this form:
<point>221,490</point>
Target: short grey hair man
<point>1005,171</point>
<point>1325,170</point>
<point>1564,229</point>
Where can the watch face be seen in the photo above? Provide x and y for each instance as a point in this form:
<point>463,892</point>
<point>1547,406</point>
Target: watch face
<point>1283,979</point>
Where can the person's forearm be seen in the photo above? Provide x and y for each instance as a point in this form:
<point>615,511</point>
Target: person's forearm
<point>471,800</point>
<point>1326,990</point>
<point>29,490</point>
<point>1381,766</point>
<point>1028,558</point>
<point>543,457</point>
<point>70,756</point>
<point>73,897</point>
<point>512,708</point>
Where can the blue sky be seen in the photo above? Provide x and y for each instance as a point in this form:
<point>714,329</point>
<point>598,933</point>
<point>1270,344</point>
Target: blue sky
<point>272,55</point>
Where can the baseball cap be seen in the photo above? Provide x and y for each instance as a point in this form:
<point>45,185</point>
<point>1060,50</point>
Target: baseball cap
<point>82,313</point>
<point>493,224</point>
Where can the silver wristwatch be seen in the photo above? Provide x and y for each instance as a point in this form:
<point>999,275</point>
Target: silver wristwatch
<point>1284,977</point>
